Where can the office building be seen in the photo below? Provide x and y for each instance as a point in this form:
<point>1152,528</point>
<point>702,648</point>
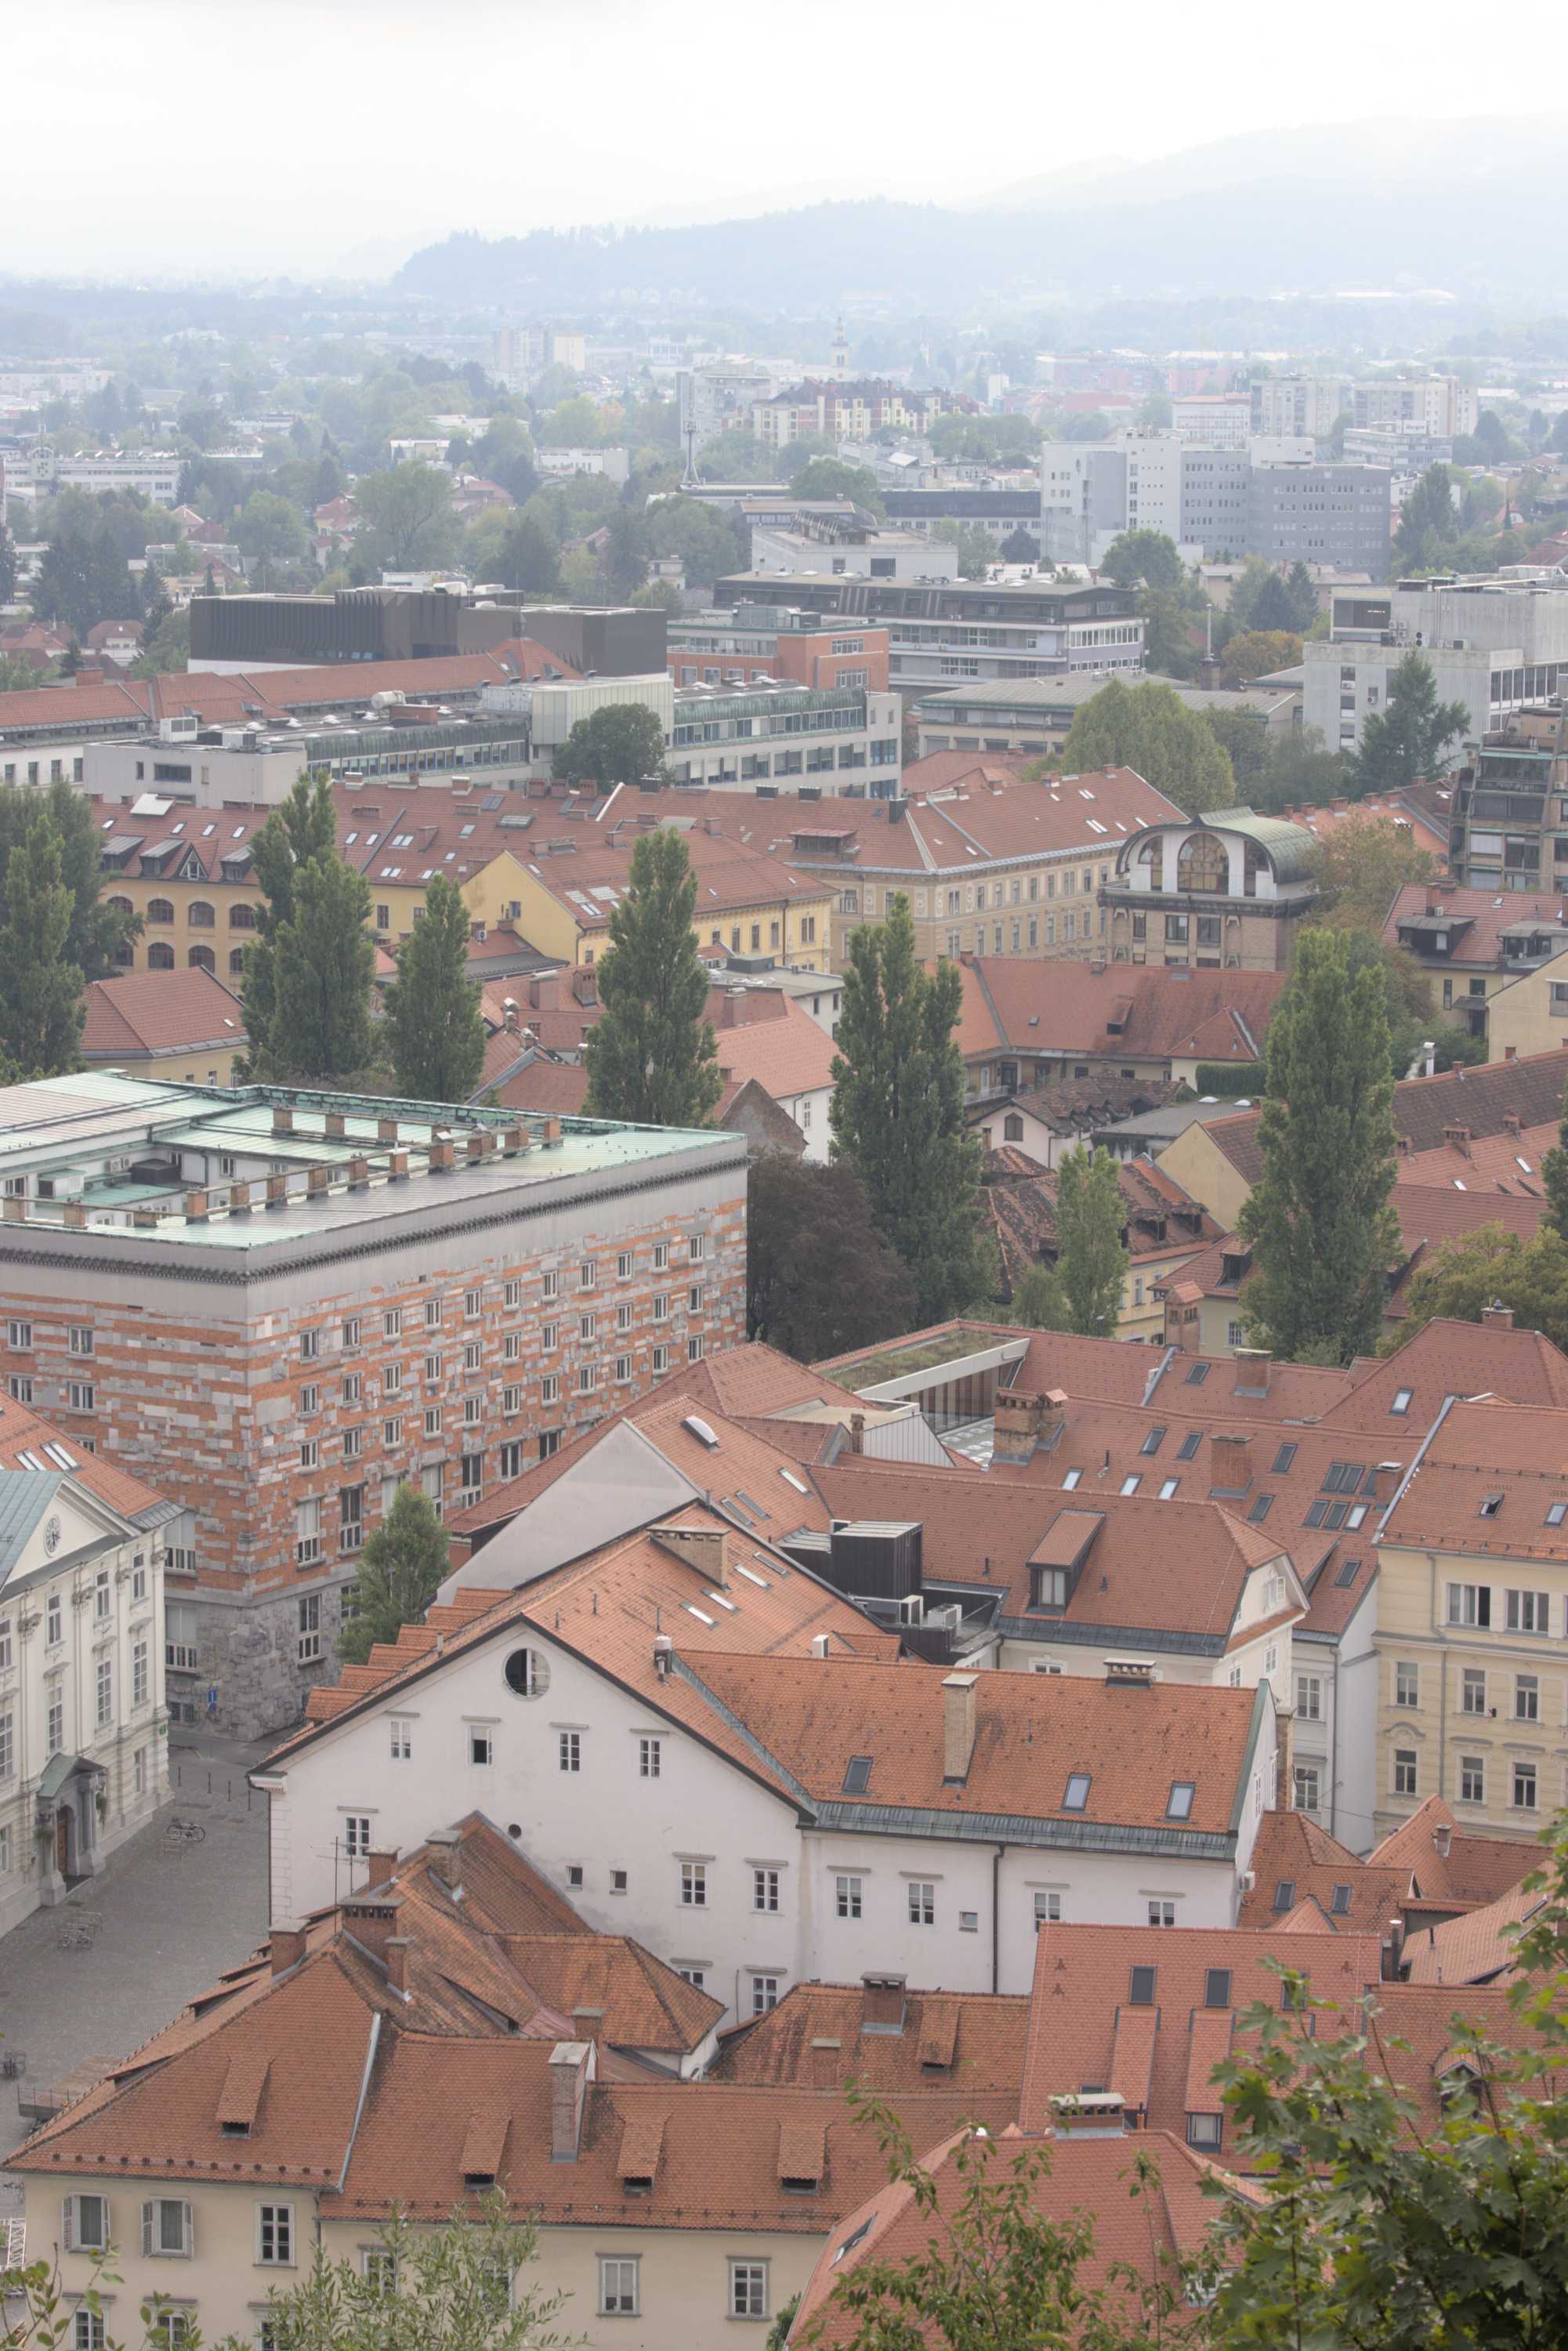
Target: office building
<point>1307,405</point>
<point>1228,891</point>
<point>1497,642</point>
<point>1440,405</point>
<point>777,640</point>
<point>256,632</point>
<point>275,1308</point>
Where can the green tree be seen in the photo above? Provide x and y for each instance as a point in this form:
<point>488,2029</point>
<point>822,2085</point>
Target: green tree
<point>1257,651</point>
<point>618,744</point>
<point>830,477</point>
<point>434,1029</point>
<point>530,560</point>
<point>453,2288</point>
<point>270,533</point>
<point>407,520</point>
<point>1243,735</point>
<point>1143,559</point>
<point>304,826</point>
<point>1360,866</point>
<point>1149,727</point>
<point>41,1008</point>
<point>1491,1267</point>
<point>324,971</point>
<point>1405,742</point>
<point>897,1113</point>
<point>1091,1260</point>
<point>401,1569</point>
<point>1554,1178</point>
<point>1168,631</point>
<point>650,1055</point>
<point>820,1278</point>
<point>1557,440</point>
<point>97,930</point>
<point>8,565</point>
<point>1036,1302</point>
<point>1322,1228</point>
<point>1019,548</point>
<point>1274,611</point>
<point>1303,596</point>
<point>1427,518</point>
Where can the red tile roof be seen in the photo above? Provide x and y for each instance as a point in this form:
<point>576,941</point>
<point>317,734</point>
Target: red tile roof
<point>1478,919</point>
<point>161,1012</point>
<point>1066,1007</point>
<point>1450,1867</point>
<point>1295,1860</point>
<point>23,1430</point>
<point>822,2036</point>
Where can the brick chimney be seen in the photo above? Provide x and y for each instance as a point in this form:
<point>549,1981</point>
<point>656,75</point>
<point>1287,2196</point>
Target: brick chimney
<point>1025,1419</point>
<point>394,1951</point>
<point>1500,1317</point>
<point>700,1547</point>
<point>570,2071</point>
<point>585,984</point>
<point>380,1863</point>
<point>1231,1462</point>
<point>1254,1369</point>
<point>371,1920</point>
<point>1511,1052</point>
<point>287,1945</point>
<point>957,1725</point>
<point>544,993</point>
<point>882,2003</point>
<point>446,1849</point>
<point>857,1432</point>
<point>1443,1838</point>
<point>1459,1139</point>
<point>1284,1776</point>
<point>1510,1122</point>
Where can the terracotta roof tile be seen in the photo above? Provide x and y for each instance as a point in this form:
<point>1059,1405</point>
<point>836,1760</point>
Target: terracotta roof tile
<point>1066,1007</point>
<point>1450,1867</point>
<point>816,2038</point>
<point>1531,1087</point>
<point>161,1012</point>
<point>1295,1859</point>
<point>1474,1948</point>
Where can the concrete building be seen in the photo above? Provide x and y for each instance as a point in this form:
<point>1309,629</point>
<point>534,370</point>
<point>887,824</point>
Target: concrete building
<point>1245,496</point>
<point>83,1723</point>
<point>277,1307</point>
<point>1508,828</point>
<point>152,474</point>
<point>1000,512</point>
<point>1497,642</point>
<point>257,633</point>
<point>756,641</point>
<point>1216,420</point>
<point>613,464</point>
<point>970,629</point>
<point>1032,718</point>
<point>1440,405</point>
<point>864,554</point>
<point>1331,514</point>
<point>1306,404</point>
<point>1229,889</point>
<point>772,734</point>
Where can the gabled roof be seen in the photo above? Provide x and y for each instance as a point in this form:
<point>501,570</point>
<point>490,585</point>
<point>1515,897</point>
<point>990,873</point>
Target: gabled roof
<point>24,1496</point>
<point>1295,1860</point>
<point>1475,1946</point>
<point>24,1432</point>
<point>1141,1013</point>
<point>1474,920</point>
<point>823,2035</point>
<point>161,1012</point>
<point>1485,1482</point>
<point>1451,1866</point>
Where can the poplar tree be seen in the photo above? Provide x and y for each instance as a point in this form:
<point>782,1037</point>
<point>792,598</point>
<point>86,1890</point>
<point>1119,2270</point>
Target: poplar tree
<point>651,1055</point>
<point>324,970</point>
<point>1091,1260</point>
<point>41,1008</point>
<point>432,1008</point>
<point>897,1113</point>
<point>304,827</point>
<point>1321,1221</point>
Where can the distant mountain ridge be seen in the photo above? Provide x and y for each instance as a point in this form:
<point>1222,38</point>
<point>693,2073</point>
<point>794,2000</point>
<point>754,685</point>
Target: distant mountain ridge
<point>1463,206</point>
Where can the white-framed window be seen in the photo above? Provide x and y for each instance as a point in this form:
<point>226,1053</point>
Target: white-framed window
<point>661,1306</point>
<point>851,1893</point>
<point>1308,1787</point>
<point>102,1600</point>
<point>694,1885</point>
<point>587,1274</point>
<point>511,1405</point>
<point>1472,1779</point>
<point>80,1395</point>
<point>309,1346</point>
<point>433,1370</point>
<point>661,1361</point>
<point>356,1834</point>
<point>432,1420</point>
<point>1527,1697</point>
<point>618,2282</point>
<point>481,1744</point>
<point>79,1339</point>
<point>748,2289</point>
<point>308,1536</point>
<point>400,1738</point>
<point>1529,1611</point>
<point>1047,1908</point>
<point>473,1355</point>
<point>348,1336</point>
<point>167,2233</point>
<point>650,1758</point>
<point>922,1902</point>
<point>103,1680</point>
<point>570,1750</point>
<point>696,1247</point>
<point>433,1314</point>
<point>549,1388</point>
<point>1524,1786</point>
<point>309,1626</point>
<point>623,1266</point>
<point>170,2329</point>
<point>19,1335</point>
<point>378,2267</point>
<point>763,1994</point>
<point>54,1620</point>
<point>391,1380</point>
<point>764,1889</point>
<point>473,1305</point>
<point>694,1349</point>
<point>1309,1697</point>
<point>1473,1690</point>
<point>661,1255</point>
<point>87,2329</point>
<point>587,1326</point>
<point>511,1294</point>
<point>1407,1684</point>
<point>1405,1770</point>
<point>7,1742</point>
<point>1162,1910</point>
<point>85,2224</point>
<point>511,1347</point>
<point>587,1378</point>
<point>311,1453</point>
<point>138,1583</point>
<point>275,2236</point>
<point>550,1285</point>
<point>392,1322</point>
<point>21,1389</point>
<point>392,1435</point>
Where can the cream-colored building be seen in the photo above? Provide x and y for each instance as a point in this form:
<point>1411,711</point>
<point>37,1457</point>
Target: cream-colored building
<point>1472,1623</point>
<point>1530,1014</point>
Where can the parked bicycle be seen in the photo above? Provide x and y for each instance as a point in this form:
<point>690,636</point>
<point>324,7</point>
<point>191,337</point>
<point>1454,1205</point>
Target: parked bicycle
<point>178,1832</point>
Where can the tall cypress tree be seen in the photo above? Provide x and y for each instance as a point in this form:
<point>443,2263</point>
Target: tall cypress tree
<point>651,1055</point>
<point>41,1008</point>
<point>303,827</point>
<point>323,974</point>
<point>1321,1221</point>
<point>897,1112</point>
<point>432,1008</point>
<point>1091,1260</point>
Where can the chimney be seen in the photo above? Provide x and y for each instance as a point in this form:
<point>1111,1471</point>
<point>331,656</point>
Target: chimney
<point>371,1920</point>
<point>857,1432</point>
<point>1443,1838</point>
<point>287,1945</point>
<point>1459,1137</point>
<point>443,1155</point>
<point>1284,1776</point>
<point>1511,1052</point>
<point>700,1547</point>
<point>386,1130</point>
<point>1129,1673</point>
<point>394,1951</point>
<point>446,1849</point>
<point>1389,1473</point>
<point>585,984</point>
<point>570,2071</point>
<point>380,1863</point>
<point>336,1124</point>
<point>664,1654</point>
<point>282,1119</point>
<point>397,1168</point>
<point>1253,1369</point>
<point>510,1015</point>
<point>1510,1122</point>
<point>957,1725</point>
<point>821,1643</point>
<point>588,2023</point>
<point>1022,1418</point>
<point>1231,1462</point>
<point>882,2003</point>
<point>1500,1316</point>
<point>196,1210</point>
<point>544,993</point>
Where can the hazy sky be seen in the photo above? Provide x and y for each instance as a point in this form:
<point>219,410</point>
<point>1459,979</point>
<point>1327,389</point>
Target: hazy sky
<point>160,136</point>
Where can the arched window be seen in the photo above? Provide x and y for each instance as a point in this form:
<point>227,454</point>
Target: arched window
<point>1153,855</point>
<point>160,956</point>
<point>201,959</point>
<point>160,910</point>
<point>237,963</point>
<point>123,905</point>
<point>199,914</point>
<point>241,915</point>
<point>1204,863</point>
<point>1012,1128</point>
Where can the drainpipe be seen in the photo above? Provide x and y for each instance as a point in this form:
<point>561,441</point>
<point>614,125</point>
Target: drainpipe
<point>996,1918</point>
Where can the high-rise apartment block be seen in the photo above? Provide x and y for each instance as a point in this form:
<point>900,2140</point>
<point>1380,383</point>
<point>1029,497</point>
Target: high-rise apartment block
<point>276,1307</point>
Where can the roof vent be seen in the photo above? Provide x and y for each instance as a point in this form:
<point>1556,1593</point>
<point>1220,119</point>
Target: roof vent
<point>701,1431</point>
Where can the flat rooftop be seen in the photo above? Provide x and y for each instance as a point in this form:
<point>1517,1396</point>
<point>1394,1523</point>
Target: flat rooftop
<point>265,1173</point>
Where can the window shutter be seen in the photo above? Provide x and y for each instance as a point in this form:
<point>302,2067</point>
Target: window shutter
<point>187,2229</point>
<point>70,2223</point>
<point>149,2218</point>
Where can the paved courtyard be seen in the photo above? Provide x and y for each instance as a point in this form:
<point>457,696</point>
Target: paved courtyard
<point>170,1918</point>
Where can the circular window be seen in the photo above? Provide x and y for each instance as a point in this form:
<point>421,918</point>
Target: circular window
<point>527,1672</point>
<point>514,1829</point>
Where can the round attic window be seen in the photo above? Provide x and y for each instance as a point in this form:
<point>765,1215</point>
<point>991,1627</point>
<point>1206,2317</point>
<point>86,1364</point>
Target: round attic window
<point>527,1672</point>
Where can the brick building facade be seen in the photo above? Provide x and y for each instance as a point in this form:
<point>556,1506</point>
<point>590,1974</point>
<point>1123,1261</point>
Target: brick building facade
<point>275,1307</point>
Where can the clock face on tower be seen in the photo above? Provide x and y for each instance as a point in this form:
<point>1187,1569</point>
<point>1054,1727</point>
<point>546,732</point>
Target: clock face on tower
<point>52,1533</point>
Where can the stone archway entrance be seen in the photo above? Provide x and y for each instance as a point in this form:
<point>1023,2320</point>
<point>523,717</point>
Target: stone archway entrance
<point>67,1815</point>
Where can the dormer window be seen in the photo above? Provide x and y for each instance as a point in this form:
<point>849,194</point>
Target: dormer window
<point>1050,1587</point>
<point>1076,1797</point>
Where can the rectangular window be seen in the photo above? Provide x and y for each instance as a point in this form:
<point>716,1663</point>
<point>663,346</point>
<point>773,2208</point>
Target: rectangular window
<point>617,2287</point>
<point>623,1266</point>
<point>1308,1787</point>
<point>763,1994</point>
<point>356,1835</point>
<point>78,1395</point>
<point>104,1680</point>
<point>78,1339</point>
<point>309,1346</point>
<point>310,1641</point>
<point>166,2229</point>
<point>275,2236</point>
<point>1309,1697</point>
<point>1141,1989</point>
<point>748,2289</point>
<point>473,1305</point>
<point>922,1902</point>
<point>87,2224</point>
<point>587,1274</point>
<point>1524,1786</point>
<point>392,1435</point>
<point>349,1337</point>
<point>1526,1697</point>
<point>1405,1770</point>
<point>1472,1779</point>
<point>19,1335</point>
<point>764,1889</point>
<point>1529,1611</point>
<point>512,1294</point>
<point>1162,1911</point>
<point>848,1891</point>
<point>550,1285</point>
<point>400,1738</point>
<point>54,1620</point>
<point>570,1750</point>
<point>1469,1603</point>
<point>650,1758</point>
<point>1473,1690</point>
<point>1047,1910</point>
<point>1406,1685</point>
<point>481,1745</point>
<point>694,1885</point>
<point>433,1314</point>
<point>392,1322</point>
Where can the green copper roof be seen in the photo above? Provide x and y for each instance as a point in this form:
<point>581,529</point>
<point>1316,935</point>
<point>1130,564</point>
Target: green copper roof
<point>1288,847</point>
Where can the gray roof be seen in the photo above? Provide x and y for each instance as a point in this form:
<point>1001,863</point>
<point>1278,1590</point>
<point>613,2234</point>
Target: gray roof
<point>1170,1119</point>
<point>1070,693</point>
<point>24,1496</point>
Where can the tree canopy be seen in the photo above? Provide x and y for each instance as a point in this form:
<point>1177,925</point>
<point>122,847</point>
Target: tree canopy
<point>820,1278</point>
<point>651,1054</point>
<point>1091,1260</point>
<point>431,1010</point>
<point>1143,559</point>
<point>41,1008</point>
<point>401,1569</point>
<point>619,744</point>
<point>1360,867</point>
<point>1149,728</point>
<point>1323,1228</point>
<point>1406,742</point>
<point>309,972</point>
<point>1491,1267</point>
